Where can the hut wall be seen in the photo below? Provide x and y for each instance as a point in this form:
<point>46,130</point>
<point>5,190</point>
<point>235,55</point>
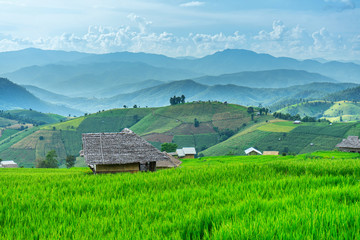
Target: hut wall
<point>108,168</point>
<point>253,153</point>
<point>354,150</point>
<point>188,156</point>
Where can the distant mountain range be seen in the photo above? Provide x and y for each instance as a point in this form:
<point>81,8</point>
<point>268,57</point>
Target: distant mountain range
<point>159,95</point>
<point>92,82</point>
<point>14,96</point>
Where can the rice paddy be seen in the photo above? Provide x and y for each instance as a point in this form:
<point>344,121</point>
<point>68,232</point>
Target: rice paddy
<point>312,196</point>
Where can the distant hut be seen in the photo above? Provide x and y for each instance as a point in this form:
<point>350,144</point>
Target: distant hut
<point>120,152</point>
<point>351,144</point>
<point>297,122</point>
<point>186,152</point>
<point>171,163</point>
<point>252,151</point>
<point>8,164</point>
<point>274,153</point>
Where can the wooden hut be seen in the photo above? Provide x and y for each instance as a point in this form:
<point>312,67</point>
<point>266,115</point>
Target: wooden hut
<point>186,152</point>
<point>8,164</point>
<point>252,151</point>
<point>351,144</point>
<point>120,152</point>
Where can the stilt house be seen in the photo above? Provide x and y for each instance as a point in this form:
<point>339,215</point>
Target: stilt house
<point>120,152</point>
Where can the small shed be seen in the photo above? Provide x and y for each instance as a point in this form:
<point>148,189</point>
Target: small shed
<point>186,152</point>
<point>171,163</point>
<point>8,164</point>
<point>120,152</point>
<point>274,153</point>
<point>351,144</point>
<point>297,122</point>
<point>252,151</point>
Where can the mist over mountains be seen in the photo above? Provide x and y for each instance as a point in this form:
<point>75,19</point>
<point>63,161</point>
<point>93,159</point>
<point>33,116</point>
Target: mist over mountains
<point>92,82</point>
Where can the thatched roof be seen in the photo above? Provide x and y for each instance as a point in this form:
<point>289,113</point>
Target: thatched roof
<point>119,148</point>
<point>249,150</point>
<point>8,164</point>
<point>171,163</point>
<point>350,142</point>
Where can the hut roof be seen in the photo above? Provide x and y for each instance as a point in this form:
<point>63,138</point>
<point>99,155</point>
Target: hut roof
<point>171,163</point>
<point>270,153</point>
<point>350,142</point>
<point>8,164</point>
<point>119,148</point>
<point>249,150</point>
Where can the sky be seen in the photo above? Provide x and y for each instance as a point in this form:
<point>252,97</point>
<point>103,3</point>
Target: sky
<point>302,29</point>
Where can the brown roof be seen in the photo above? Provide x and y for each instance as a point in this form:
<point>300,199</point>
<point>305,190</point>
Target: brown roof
<point>119,148</point>
<point>271,153</point>
<point>171,163</point>
<point>350,142</point>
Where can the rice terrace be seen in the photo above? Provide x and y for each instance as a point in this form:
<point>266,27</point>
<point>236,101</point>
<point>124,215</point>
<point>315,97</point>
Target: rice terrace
<point>309,196</point>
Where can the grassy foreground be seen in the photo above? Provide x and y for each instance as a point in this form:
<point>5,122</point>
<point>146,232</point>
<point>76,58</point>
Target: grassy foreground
<point>313,196</point>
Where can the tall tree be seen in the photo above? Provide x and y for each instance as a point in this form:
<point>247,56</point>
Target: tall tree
<point>169,147</point>
<point>70,161</point>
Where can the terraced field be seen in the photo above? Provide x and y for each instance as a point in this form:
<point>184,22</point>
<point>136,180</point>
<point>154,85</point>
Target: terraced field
<point>310,196</point>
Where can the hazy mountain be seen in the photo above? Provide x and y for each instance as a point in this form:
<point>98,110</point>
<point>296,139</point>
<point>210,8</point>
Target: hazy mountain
<point>14,96</point>
<point>351,94</point>
<point>77,79</point>
<point>14,60</point>
<point>269,79</point>
<point>160,95</point>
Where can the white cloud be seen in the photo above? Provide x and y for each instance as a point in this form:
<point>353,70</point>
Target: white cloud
<point>192,4</point>
<point>138,36</point>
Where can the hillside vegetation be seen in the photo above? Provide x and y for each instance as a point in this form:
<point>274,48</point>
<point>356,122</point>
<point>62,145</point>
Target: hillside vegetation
<point>312,196</point>
<point>223,129</point>
<point>333,111</point>
<point>218,121</point>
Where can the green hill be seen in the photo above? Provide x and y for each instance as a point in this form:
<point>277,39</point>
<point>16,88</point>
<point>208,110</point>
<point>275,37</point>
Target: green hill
<point>223,129</point>
<point>285,137</point>
<point>348,111</point>
<point>157,125</point>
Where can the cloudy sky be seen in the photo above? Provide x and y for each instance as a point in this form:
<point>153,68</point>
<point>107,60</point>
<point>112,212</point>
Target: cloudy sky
<point>302,29</point>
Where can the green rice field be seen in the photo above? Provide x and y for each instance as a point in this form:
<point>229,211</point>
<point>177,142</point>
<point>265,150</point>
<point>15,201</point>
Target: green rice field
<point>310,196</point>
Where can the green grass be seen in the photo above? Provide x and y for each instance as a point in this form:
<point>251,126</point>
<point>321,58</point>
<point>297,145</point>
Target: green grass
<point>7,133</point>
<point>278,127</point>
<point>70,125</point>
<point>312,196</point>
<point>36,116</point>
<point>4,122</point>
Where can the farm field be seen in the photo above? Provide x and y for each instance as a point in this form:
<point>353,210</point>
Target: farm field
<point>309,196</point>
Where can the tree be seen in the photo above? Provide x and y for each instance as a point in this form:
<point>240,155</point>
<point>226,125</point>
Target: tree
<point>196,123</point>
<point>135,106</point>
<point>250,110</point>
<point>49,162</point>
<point>169,147</point>
<point>125,106</point>
<point>41,138</point>
<point>182,98</point>
<point>70,161</point>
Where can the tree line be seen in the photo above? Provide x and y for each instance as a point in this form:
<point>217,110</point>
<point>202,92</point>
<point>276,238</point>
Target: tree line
<point>177,100</point>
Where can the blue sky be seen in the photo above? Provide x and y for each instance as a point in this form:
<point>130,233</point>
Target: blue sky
<point>294,28</point>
